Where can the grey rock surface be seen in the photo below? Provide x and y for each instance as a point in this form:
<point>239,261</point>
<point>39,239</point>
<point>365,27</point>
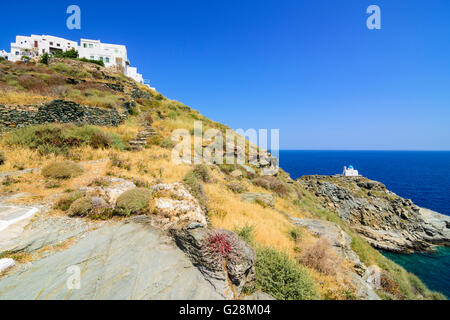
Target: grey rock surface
<point>119,260</point>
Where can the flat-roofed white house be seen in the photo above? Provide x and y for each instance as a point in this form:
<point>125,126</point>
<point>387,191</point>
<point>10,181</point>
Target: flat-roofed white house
<point>38,45</point>
<point>111,54</point>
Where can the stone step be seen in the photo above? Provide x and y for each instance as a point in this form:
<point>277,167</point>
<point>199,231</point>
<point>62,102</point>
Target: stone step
<point>141,143</point>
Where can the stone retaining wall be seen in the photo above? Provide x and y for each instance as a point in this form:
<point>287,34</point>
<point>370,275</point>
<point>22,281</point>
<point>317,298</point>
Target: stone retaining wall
<point>59,111</point>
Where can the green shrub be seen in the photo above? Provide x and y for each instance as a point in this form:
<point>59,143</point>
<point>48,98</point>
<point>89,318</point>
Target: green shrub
<point>92,207</point>
<point>98,62</point>
<point>45,58</point>
<point>66,201</point>
<point>133,201</point>
<point>72,54</point>
<point>60,138</point>
<point>62,170</point>
<point>282,278</point>
<point>246,233</point>
<point>81,207</point>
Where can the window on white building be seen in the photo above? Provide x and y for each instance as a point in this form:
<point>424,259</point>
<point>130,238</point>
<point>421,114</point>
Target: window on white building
<point>92,57</point>
<point>90,46</point>
<point>107,60</point>
<point>84,45</point>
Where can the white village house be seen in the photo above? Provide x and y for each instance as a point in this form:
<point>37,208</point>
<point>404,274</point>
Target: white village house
<point>110,54</point>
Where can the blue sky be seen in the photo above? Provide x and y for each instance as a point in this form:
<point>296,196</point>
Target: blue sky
<point>309,68</point>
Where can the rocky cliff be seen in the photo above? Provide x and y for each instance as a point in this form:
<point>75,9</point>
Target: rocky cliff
<point>384,219</point>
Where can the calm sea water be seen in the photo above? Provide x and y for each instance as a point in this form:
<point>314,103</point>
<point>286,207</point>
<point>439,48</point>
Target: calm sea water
<point>423,177</point>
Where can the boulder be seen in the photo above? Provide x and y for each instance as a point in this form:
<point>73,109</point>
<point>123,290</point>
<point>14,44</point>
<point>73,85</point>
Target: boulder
<point>174,205</point>
<point>264,198</point>
<point>236,174</point>
<point>225,260</point>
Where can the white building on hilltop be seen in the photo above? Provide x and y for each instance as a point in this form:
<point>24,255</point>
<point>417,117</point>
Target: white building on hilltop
<point>350,172</point>
<point>112,55</point>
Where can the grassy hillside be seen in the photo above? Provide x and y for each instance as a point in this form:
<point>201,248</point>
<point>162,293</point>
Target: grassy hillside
<point>282,268</point>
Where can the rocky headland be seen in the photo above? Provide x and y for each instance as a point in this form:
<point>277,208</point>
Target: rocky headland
<point>386,220</point>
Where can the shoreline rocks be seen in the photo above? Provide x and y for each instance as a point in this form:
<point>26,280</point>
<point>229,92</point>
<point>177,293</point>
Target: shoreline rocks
<point>384,219</point>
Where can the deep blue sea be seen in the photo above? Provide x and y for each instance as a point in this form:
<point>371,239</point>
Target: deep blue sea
<point>422,176</point>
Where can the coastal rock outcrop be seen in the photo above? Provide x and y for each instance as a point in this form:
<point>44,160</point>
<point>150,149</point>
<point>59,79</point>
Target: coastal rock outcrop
<point>384,219</point>
<point>341,242</point>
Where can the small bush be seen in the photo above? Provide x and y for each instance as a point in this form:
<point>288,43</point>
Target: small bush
<point>237,187</point>
<point>272,183</point>
<point>119,162</point>
<point>282,278</point>
<point>167,144</point>
<point>62,170</point>
<point>202,172</point>
<point>45,58</point>
<point>196,188</point>
<point>81,207</point>
<point>246,233</point>
<point>2,158</point>
<point>101,140</point>
<point>8,181</point>
<point>66,201</point>
<point>295,234</point>
<point>92,207</point>
<point>133,201</point>
<point>321,257</point>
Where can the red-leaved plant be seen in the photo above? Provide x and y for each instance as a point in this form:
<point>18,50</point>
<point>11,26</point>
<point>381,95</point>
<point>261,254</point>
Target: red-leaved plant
<point>220,244</point>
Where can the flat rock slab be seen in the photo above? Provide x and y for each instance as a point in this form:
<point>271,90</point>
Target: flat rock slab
<point>122,260</point>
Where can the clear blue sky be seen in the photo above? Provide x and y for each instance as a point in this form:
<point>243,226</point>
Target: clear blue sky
<point>309,68</point>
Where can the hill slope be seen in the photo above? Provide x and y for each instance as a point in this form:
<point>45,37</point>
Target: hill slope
<point>245,232</point>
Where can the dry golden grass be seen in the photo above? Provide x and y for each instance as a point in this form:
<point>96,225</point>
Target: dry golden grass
<point>127,130</point>
<point>229,212</point>
<point>34,183</point>
<point>22,98</point>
